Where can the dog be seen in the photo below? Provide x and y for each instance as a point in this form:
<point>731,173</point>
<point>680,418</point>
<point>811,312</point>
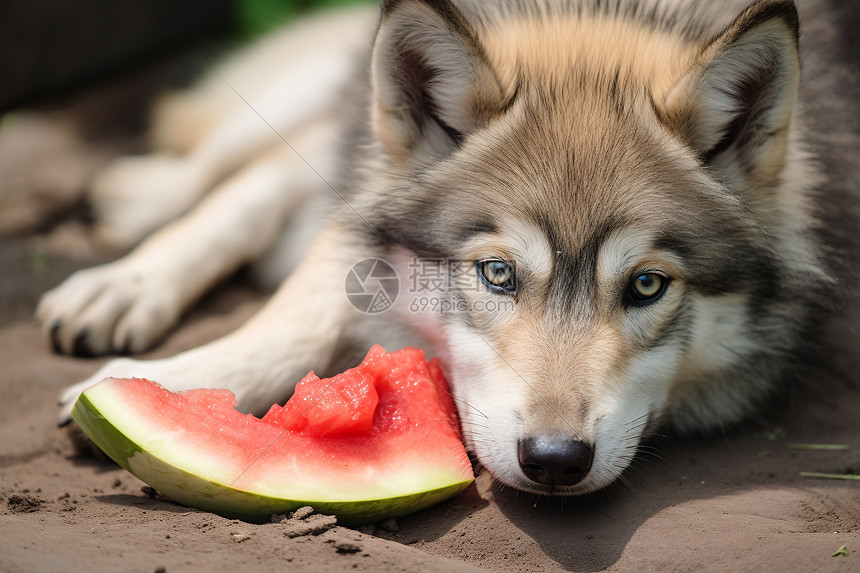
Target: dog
<point>604,217</point>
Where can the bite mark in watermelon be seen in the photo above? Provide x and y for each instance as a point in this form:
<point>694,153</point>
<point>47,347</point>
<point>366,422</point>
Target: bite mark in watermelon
<point>379,440</point>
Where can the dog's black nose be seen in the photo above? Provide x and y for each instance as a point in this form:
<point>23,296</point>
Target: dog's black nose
<point>555,459</point>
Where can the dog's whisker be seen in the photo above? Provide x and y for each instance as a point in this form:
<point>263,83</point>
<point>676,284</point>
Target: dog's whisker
<point>467,404</point>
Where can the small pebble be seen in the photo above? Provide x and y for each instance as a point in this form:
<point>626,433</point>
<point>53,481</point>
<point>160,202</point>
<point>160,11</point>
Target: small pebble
<point>314,525</point>
<point>344,546</point>
<point>302,512</point>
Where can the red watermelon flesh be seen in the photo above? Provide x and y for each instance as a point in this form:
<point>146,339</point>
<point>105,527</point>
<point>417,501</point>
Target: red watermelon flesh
<point>376,437</point>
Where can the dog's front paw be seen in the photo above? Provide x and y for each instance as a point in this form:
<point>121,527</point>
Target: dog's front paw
<point>111,308</point>
<point>118,368</point>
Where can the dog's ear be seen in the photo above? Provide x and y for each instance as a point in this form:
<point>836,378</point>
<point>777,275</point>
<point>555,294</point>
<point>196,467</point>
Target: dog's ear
<point>735,106</point>
<point>432,83</point>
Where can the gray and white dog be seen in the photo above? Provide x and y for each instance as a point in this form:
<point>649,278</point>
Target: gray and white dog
<point>635,211</point>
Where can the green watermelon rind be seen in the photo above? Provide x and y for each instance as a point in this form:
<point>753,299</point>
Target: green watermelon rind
<point>201,493</point>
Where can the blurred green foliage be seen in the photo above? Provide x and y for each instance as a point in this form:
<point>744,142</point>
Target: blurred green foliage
<point>259,16</point>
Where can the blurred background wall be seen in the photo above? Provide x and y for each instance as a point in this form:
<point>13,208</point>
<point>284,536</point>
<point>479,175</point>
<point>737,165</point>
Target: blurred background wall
<point>51,47</point>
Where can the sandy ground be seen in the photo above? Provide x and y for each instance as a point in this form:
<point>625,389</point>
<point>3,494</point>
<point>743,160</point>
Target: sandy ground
<point>734,502</point>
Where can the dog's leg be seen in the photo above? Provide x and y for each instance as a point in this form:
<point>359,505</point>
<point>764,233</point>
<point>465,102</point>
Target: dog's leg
<point>183,119</point>
<point>136,195</point>
<point>298,330</point>
<point>128,305</point>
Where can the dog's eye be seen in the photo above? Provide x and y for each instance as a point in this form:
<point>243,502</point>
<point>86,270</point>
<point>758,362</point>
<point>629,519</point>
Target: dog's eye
<point>498,275</point>
<point>647,288</point>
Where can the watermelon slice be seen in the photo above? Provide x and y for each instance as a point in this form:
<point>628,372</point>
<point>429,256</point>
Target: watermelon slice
<point>379,440</point>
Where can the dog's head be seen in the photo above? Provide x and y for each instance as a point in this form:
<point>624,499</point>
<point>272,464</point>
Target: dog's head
<point>609,199</point>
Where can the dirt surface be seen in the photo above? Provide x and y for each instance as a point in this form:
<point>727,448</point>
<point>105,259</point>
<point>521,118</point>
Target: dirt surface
<point>734,502</point>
